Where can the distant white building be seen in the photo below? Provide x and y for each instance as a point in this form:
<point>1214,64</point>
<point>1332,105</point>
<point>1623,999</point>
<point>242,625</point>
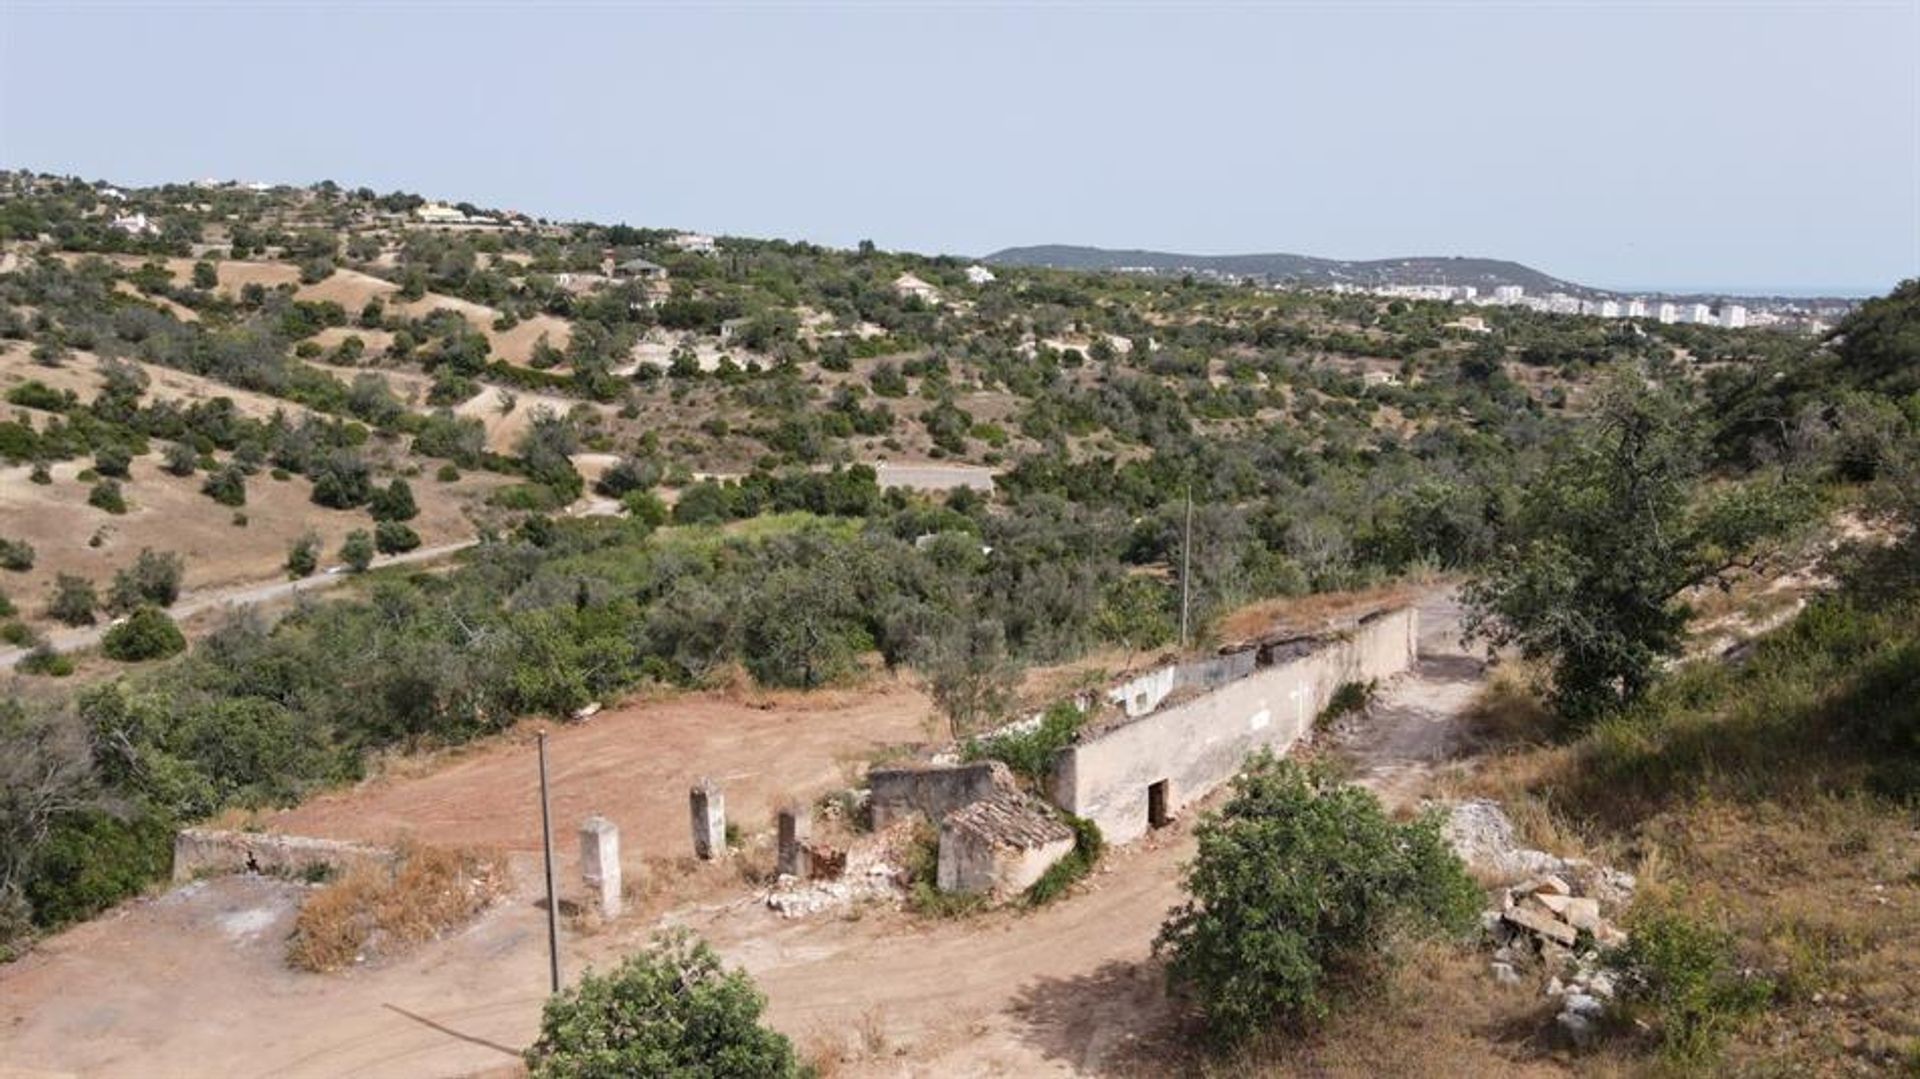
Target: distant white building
<point>907,285</point>
<point>694,243</point>
<point>1560,303</point>
<point>439,213</point>
<point>1467,293</point>
<point>1699,314</point>
<point>1733,316</point>
<point>136,224</point>
<point>1508,293</point>
<point>1667,313</point>
<point>1636,308</point>
<point>1609,309</point>
<point>979,275</point>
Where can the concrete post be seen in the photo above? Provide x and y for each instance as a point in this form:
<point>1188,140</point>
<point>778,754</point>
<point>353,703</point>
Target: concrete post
<point>796,828</point>
<point>708,808</point>
<point>600,864</point>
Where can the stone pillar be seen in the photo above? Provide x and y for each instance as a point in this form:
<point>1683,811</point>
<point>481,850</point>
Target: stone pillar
<point>796,828</point>
<point>600,864</point>
<point>708,808</point>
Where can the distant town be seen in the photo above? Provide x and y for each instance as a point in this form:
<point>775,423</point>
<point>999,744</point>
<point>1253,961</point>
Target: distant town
<point>1805,316</point>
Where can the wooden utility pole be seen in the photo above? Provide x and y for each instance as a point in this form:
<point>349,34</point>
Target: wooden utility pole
<point>1186,569</point>
<point>553,898</point>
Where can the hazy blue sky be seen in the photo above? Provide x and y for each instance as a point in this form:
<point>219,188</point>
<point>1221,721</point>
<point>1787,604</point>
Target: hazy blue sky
<point>1710,144</point>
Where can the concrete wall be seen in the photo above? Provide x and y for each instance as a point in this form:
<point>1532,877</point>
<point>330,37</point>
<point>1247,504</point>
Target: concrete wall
<point>1199,744</point>
<point>933,791</point>
<point>201,852</point>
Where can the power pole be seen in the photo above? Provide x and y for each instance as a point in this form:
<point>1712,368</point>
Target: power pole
<point>1186,569</point>
<point>553,899</point>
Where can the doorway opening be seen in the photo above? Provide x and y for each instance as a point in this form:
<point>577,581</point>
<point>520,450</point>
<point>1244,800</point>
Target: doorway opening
<point>1158,813</point>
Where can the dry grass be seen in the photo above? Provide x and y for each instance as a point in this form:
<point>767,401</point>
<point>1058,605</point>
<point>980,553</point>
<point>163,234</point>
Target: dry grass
<point>376,911</point>
<point>1308,614</point>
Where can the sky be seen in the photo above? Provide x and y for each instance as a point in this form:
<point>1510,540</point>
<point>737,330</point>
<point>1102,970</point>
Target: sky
<point>1713,145</point>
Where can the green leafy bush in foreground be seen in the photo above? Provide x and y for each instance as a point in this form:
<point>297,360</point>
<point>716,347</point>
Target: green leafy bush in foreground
<point>670,1011</point>
<point>1681,972</point>
<point>1303,883</point>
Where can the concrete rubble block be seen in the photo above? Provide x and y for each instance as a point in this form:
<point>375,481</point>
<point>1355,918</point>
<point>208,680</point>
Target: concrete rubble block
<point>1542,924</point>
<point>1583,913</point>
<point>707,807</point>
<point>600,865</point>
<point>795,824</point>
<point>1548,884</point>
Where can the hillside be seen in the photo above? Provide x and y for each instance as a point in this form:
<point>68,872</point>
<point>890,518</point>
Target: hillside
<point>701,499</point>
<point>1484,274</point>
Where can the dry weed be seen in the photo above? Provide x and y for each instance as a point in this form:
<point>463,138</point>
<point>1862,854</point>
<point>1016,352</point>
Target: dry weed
<point>385,909</point>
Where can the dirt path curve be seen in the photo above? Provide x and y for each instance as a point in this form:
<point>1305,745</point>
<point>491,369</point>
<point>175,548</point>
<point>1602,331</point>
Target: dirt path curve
<point>1071,989</point>
<point>246,595</point>
<point>192,982</point>
<point>1413,727</point>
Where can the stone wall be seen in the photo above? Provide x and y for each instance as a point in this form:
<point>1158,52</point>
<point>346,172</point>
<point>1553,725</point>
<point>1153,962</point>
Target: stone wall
<point>934,791</point>
<point>199,852</point>
<point>1196,745</point>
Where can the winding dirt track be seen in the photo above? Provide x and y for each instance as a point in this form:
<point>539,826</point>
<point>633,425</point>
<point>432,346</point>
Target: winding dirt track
<point>191,983</point>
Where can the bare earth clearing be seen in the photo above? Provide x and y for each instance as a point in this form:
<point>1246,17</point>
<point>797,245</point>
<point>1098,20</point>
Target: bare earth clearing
<point>192,982</point>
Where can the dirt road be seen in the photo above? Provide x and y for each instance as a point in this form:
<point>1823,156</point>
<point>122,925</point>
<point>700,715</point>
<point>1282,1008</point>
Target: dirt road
<point>68,640</point>
<point>191,983</point>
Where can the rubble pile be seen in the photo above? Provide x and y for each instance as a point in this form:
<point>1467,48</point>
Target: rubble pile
<point>869,869</point>
<point>1560,916</point>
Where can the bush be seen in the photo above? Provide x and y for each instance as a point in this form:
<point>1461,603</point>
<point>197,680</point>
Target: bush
<point>392,537</point>
<point>146,634</point>
<point>106,495</point>
<point>1302,882</point>
<point>304,556</point>
<point>227,486</point>
<point>16,555</point>
<point>1682,973</point>
<point>447,474</point>
<point>1088,844</point>
<point>357,550</point>
<point>668,1011</point>
<point>112,461</point>
<point>92,860</point>
<point>180,459</point>
<point>394,503</point>
<point>1350,697</point>
<point>42,659</point>
<point>154,578</point>
<point>74,600</point>
<point>1030,752</point>
<point>389,908</point>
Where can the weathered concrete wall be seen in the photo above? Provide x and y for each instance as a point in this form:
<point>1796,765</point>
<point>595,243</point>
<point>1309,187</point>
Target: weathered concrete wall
<point>1196,745</point>
<point>933,791</point>
<point>199,852</point>
<point>1143,694</point>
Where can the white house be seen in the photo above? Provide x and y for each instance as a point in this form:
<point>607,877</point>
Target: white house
<point>439,213</point>
<point>1733,316</point>
<point>907,285</point>
<point>1636,308</point>
<point>979,275</point>
<point>136,224</point>
<point>1609,309</point>
<point>1667,313</point>
<point>694,243</point>
<point>1699,314</point>
<point>1508,293</point>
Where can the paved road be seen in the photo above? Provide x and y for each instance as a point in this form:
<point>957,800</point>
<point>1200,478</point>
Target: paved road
<point>69,640</point>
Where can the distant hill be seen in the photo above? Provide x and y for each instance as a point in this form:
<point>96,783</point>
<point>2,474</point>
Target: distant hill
<point>1298,269</point>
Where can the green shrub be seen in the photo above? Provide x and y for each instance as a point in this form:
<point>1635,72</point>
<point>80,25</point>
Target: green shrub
<point>227,486</point>
<point>112,461</point>
<point>392,537</point>
<point>303,557</point>
<point>146,634</point>
<point>92,860</point>
<point>16,555</point>
<point>74,600</point>
<point>1350,697</point>
<point>1681,972</point>
<point>42,659</point>
<point>447,474</point>
<point>671,1010</point>
<point>1030,752</point>
<point>106,495</point>
<point>1302,882</point>
<point>18,634</point>
<point>357,550</point>
<point>154,578</point>
<point>1088,844</point>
